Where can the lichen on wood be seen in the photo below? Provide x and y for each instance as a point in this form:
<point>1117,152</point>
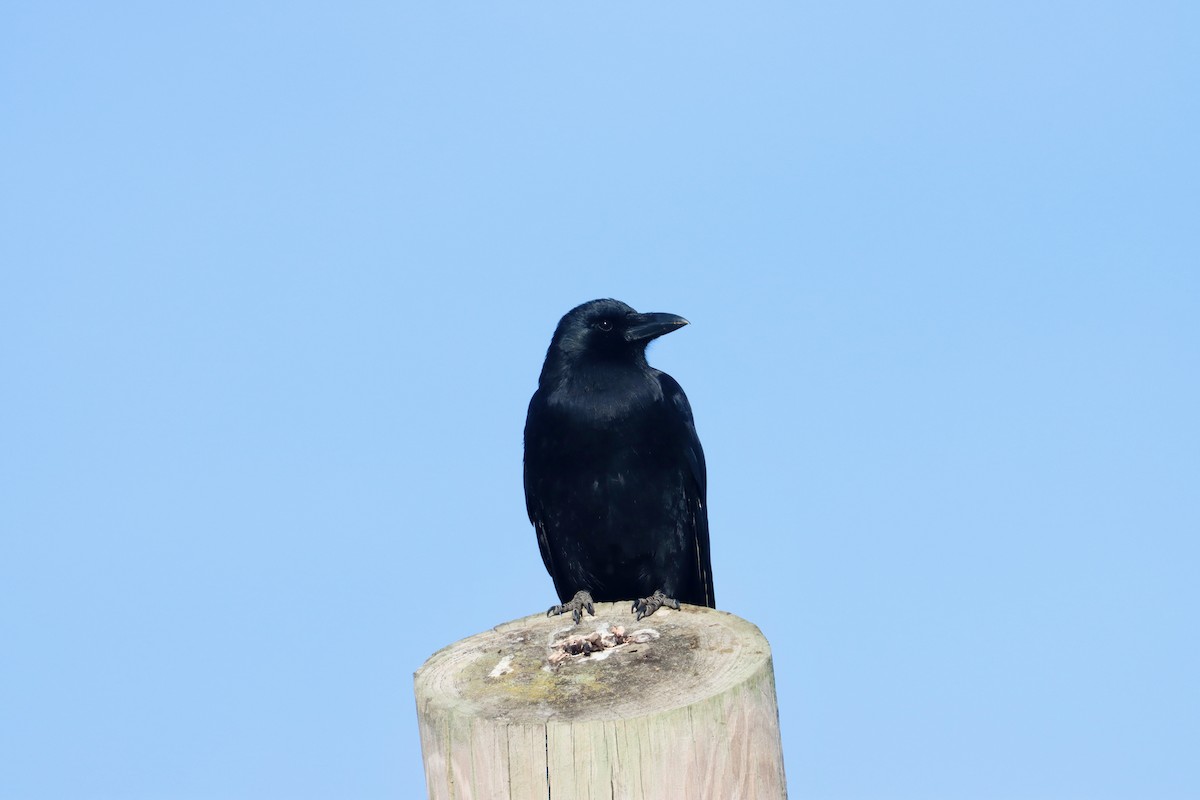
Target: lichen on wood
<point>686,710</point>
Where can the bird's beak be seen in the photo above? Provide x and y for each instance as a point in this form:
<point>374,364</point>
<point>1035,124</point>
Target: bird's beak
<point>644,327</point>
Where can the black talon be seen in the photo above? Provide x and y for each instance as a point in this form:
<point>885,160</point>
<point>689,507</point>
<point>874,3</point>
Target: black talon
<point>648,605</point>
<point>581,601</point>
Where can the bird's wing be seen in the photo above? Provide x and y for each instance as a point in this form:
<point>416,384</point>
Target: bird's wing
<point>533,504</point>
<point>696,489</point>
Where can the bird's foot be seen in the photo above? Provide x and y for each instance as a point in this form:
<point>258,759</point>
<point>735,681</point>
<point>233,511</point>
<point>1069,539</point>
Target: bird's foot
<point>579,602</point>
<point>648,605</point>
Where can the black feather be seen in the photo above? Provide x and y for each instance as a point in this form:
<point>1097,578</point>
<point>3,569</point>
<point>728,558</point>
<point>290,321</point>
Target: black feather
<point>614,472</point>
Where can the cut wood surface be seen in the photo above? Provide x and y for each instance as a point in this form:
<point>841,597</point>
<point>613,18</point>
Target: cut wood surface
<point>679,705</point>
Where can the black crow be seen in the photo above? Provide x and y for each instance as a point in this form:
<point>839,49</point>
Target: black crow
<point>614,473</point>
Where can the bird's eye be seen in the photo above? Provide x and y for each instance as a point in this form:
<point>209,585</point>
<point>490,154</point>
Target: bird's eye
<point>604,325</point>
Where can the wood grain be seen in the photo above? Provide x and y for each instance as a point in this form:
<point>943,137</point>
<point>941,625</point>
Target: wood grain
<point>689,714</point>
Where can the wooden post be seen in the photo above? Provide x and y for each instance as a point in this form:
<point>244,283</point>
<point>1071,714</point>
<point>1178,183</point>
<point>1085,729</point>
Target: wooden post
<point>679,705</point>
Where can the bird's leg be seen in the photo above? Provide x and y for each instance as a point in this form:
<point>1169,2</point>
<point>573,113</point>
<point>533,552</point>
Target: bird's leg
<point>648,605</point>
<point>579,602</point>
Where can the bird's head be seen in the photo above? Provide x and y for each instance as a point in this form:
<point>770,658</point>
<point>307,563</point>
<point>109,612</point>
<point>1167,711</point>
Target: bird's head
<point>608,331</point>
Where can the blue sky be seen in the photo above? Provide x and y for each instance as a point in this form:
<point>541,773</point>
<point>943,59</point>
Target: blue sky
<point>276,281</point>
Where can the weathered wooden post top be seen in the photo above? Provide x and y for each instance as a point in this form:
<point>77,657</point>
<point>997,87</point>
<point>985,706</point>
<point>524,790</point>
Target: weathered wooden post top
<point>679,705</point>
